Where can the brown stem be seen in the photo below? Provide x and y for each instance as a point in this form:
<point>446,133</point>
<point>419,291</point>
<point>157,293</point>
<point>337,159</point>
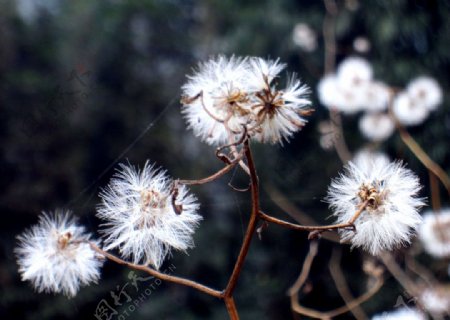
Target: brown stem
<point>423,156</point>
<point>435,194</point>
<point>251,224</point>
<point>231,308</point>
<point>214,176</point>
<point>294,291</point>
<point>287,206</point>
<point>160,275</point>
<point>294,226</point>
<point>329,36</point>
<point>342,285</point>
<point>399,274</point>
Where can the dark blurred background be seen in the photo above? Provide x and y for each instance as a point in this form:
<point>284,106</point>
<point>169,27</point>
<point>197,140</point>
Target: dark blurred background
<point>85,85</point>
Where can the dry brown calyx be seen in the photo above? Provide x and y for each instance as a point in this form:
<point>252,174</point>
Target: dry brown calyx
<point>371,194</point>
<point>64,240</point>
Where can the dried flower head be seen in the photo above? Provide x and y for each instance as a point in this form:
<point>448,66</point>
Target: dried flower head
<point>55,255</point>
<point>434,233</point>
<point>147,214</point>
<point>226,96</point>
<point>391,213</point>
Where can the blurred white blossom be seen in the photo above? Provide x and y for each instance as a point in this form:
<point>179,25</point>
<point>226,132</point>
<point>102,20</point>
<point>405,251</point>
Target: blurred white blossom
<point>147,214</point>
<point>407,111</point>
<point>304,37</point>
<point>426,92</point>
<point>434,233</point>
<point>55,255</point>
<point>361,44</point>
<point>436,300</point>
<point>376,126</point>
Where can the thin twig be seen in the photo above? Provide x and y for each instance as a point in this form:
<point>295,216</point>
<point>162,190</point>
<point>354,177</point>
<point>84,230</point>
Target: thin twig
<point>214,176</point>
<point>231,308</point>
<point>251,224</point>
<point>405,281</point>
<point>160,275</point>
<point>341,283</point>
<point>294,291</point>
<point>435,194</point>
<point>422,155</point>
<point>287,206</point>
<point>319,229</point>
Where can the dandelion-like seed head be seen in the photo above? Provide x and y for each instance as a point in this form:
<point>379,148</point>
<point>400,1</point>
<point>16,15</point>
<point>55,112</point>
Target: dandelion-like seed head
<point>55,255</point>
<point>390,194</point>
<point>227,96</point>
<point>147,214</point>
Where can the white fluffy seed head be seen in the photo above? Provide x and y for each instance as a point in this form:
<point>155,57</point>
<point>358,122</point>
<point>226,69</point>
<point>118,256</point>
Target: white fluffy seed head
<point>215,93</point>
<point>434,233</point>
<point>147,214</point>
<point>227,95</point>
<point>425,91</point>
<point>391,216</point>
<point>401,314</point>
<point>55,255</point>
<point>408,111</point>
<point>376,126</point>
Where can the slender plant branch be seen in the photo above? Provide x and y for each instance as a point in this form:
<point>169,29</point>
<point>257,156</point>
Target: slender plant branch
<point>329,35</point>
<point>342,285</point>
<point>294,291</point>
<point>157,274</point>
<point>287,206</point>
<point>397,272</point>
<point>315,229</point>
<point>422,155</point>
<point>214,176</point>
<point>435,194</point>
<point>254,186</point>
<point>231,308</point>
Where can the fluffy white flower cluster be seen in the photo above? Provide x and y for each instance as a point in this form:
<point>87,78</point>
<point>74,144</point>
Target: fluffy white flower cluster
<point>434,233</point>
<point>147,214</point>
<point>227,94</point>
<point>353,89</point>
<point>391,214</point>
<point>413,105</point>
<point>56,257</point>
<point>401,314</point>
